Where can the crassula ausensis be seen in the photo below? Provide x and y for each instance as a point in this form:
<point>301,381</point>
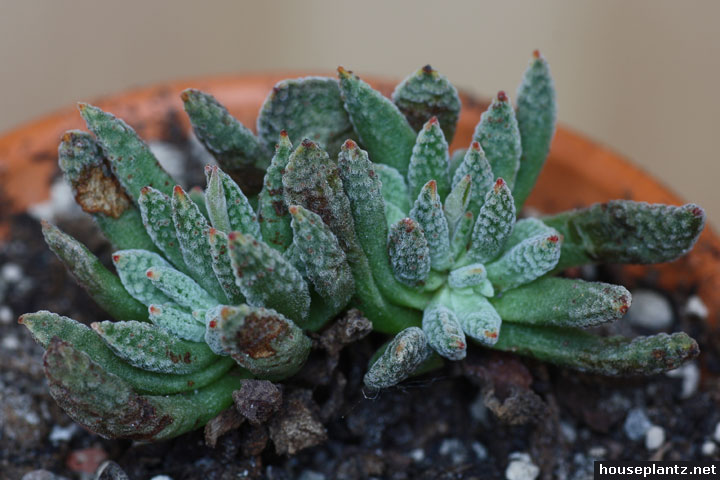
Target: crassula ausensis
<point>343,198</point>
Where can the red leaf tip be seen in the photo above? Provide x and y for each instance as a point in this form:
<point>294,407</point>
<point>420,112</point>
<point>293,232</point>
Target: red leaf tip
<point>553,239</point>
<point>115,258</point>
<point>177,190</point>
<point>499,183</point>
<point>431,122</point>
<point>283,133</point>
<point>501,96</point>
<point>350,144</point>
<point>475,146</point>
<point>536,54</point>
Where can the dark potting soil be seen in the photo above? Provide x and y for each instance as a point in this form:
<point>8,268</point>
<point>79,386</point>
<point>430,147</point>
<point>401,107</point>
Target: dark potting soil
<point>491,416</point>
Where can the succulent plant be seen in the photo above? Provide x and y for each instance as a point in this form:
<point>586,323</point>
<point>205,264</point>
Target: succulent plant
<point>343,198</point>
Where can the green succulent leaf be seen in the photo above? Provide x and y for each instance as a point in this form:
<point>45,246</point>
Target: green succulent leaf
<point>456,203</point>
<point>148,347</point>
<point>456,158</point>
<point>623,231</point>
<point>132,267</point>
<point>309,107</point>
<point>394,188</point>
<point>429,160</point>
<point>272,211</point>
<point>101,284</point>
<point>476,315</point>
<point>444,333</point>
<point>44,326</point>
<point>409,252</point>
<point>238,215</point>
<point>428,213</point>
<point>526,228</point>
<point>192,230</point>
<point>400,359</point>
<point>325,262</point>
<point>180,288</point>
<point>460,240</point>
<point>472,276</point>
<point>381,127</point>
<point>575,348</point>
<point>233,145</point>
<point>222,266</point>
<point>425,94</point>
<point>536,112</point>
<point>563,302</point>
<point>494,224</point>
<point>177,321</point>
<point>263,341</point>
<point>98,192</point>
<point>156,210</point>
<point>130,158</point>
<point>266,278</point>
<point>526,261</point>
<point>477,166</point>
<point>499,136</point>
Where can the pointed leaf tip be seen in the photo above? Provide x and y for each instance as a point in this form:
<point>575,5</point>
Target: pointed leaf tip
<point>502,96</point>
<point>536,54</point>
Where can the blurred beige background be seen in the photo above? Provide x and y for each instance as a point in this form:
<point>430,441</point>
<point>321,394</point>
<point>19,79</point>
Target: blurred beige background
<point>639,76</point>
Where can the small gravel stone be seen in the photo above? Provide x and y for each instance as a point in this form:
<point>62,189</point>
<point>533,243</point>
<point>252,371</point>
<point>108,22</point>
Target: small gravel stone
<point>6,314</point>
<point>708,448</point>
<point>311,475</point>
<point>597,451</point>
<point>637,424</point>
<point>41,475</point>
<point>650,311</point>
<point>417,455</point>
<point>62,434</point>
<point>716,434</point>
<point>11,273</point>
<point>455,449</point>
<point>10,342</point>
<point>478,410</point>
<point>696,307</point>
<point>161,477</point>
<point>257,400</point>
<point>86,460</point>
<point>521,467</point>
<point>655,437</point>
<point>110,470</point>
<point>690,374</point>
<point>568,431</point>
<point>480,451</point>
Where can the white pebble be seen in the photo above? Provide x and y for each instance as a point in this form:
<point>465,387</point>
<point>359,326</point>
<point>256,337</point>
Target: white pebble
<point>10,342</point>
<point>455,449</point>
<point>654,437</point>
<point>568,431</point>
<point>60,204</point>
<point>708,448</point>
<point>6,314</point>
<point>11,273</point>
<point>62,434</point>
<point>716,434</point>
<point>418,455</point>
<point>636,424</point>
<point>695,306</point>
<point>480,451</point>
<point>597,451</point>
<point>650,310</point>
<point>161,477</point>
<point>690,374</point>
<point>521,467</point>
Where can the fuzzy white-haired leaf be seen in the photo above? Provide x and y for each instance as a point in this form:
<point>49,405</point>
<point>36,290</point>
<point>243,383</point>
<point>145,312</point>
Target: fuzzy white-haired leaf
<point>429,160</point>
<point>240,215</point>
<point>263,341</point>
<point>444,333</point>
<point>212,330</point>
<point>176,321</point>
<point>325,262</point>
<point>456,158</point>
<point>563,302</point>
<point>477,166</point>
<point>461,237</point>
<point>494,224</point>
<point>266,278</point>
<point>456,203</point>
<point>409,253</point>
<point>428,213</point>
<point>399,360</point>
<point>476,316</point>
<point>526,228</point>
<point>471,276</point>
<point>427,93</point>
<point>148,347</point>
<point>156,211</point>
<point>526,261</point>
<point>222,266</point>
<point>180,288</point>
<point>499,136</point>
<point>536,112</point>
<point>394,189</point>
<point>132,266</point>
<point>272,211</point>
<point>192,232</point>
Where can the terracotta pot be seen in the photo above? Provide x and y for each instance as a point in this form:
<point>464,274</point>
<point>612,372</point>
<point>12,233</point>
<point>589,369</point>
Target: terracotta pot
<point>579,172</point>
